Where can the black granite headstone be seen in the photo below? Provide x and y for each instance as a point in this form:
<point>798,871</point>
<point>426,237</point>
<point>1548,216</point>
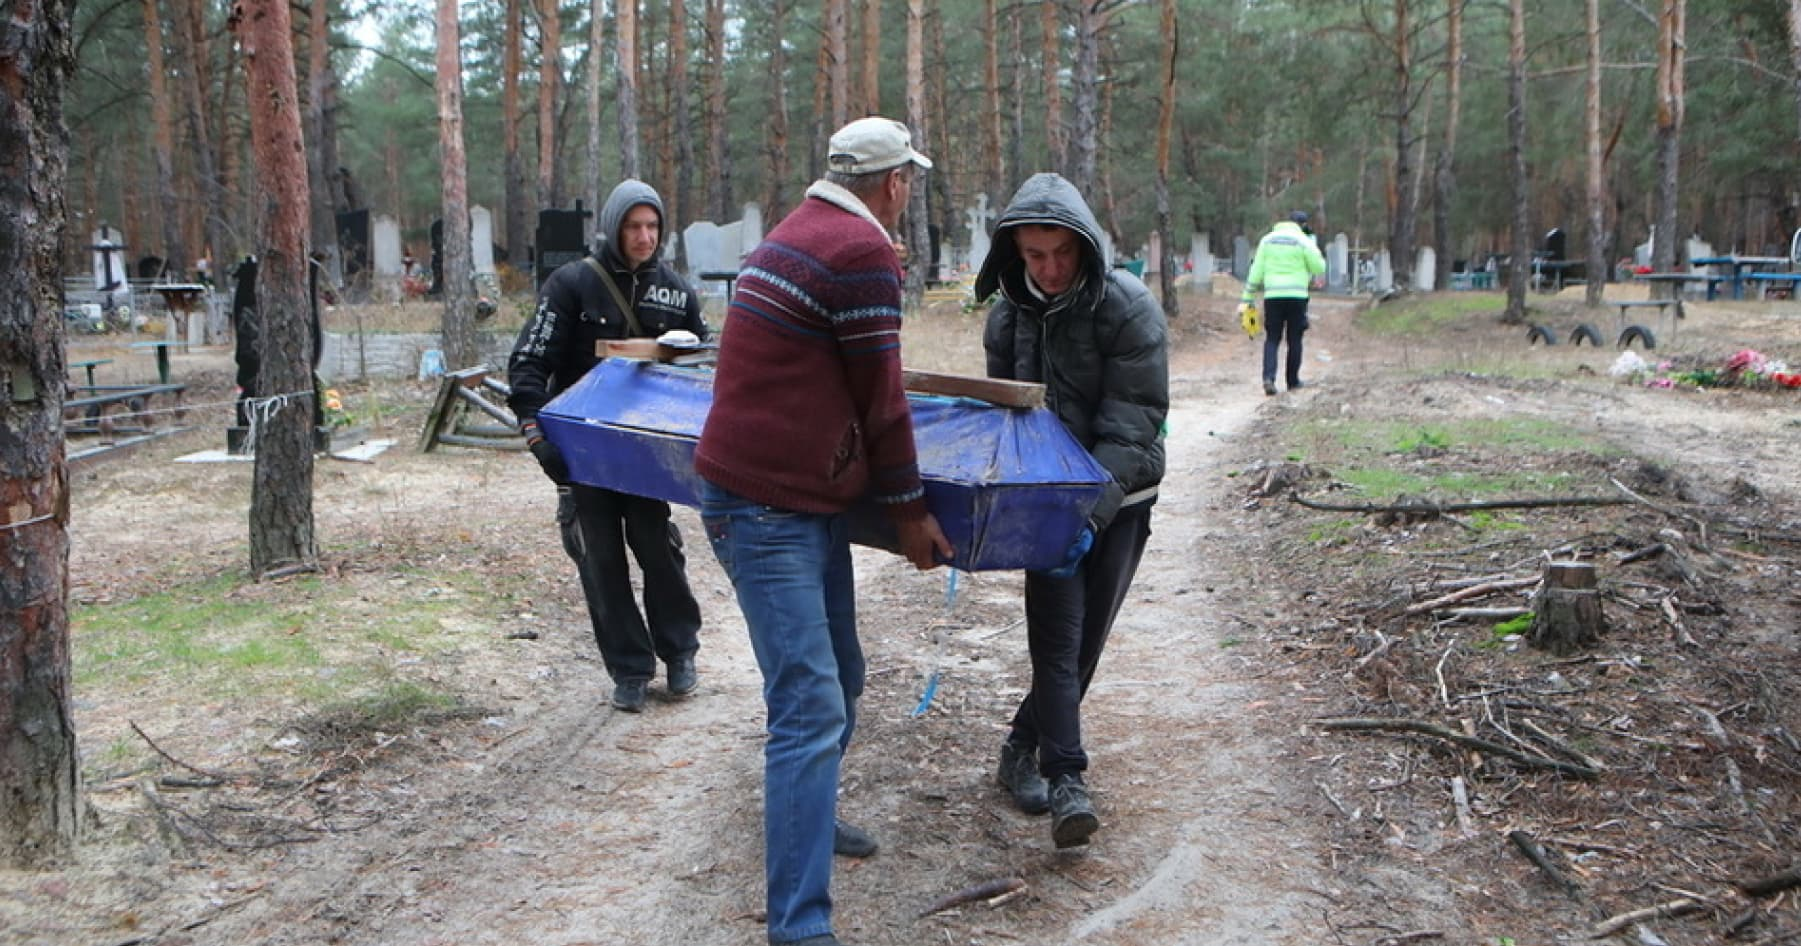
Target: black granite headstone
<point>559,239</point>
<point>353,247</point>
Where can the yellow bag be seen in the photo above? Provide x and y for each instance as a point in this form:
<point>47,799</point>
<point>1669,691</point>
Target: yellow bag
<point>1251,319</point>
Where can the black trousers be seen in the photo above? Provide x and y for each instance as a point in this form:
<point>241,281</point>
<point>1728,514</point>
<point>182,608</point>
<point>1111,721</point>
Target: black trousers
<point>1067,623</point>
<point>598,525</point>
<point>1283,319</point>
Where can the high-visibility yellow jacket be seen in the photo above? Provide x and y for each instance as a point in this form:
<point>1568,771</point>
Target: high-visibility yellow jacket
<point>1287,260</point>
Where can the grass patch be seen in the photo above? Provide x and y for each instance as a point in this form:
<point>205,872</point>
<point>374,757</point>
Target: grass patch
<point>1510,434</point>
<point>1417,314</point>
<point>1382,482</point>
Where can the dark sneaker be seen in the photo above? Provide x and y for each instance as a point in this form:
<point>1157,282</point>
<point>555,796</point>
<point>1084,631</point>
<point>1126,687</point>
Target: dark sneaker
<point>1269,388</point>
<point>1072,814</point>
<point>628,695</point>
<point>851,841</point>
<point>683,678</point>
<point>1295,385</point>
<point>1019,775</point>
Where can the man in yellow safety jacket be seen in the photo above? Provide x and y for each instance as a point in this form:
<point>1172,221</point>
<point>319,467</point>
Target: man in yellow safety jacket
<point>1287,263</point>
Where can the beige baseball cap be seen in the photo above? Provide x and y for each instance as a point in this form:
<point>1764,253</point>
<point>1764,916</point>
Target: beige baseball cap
<point>873,144</point>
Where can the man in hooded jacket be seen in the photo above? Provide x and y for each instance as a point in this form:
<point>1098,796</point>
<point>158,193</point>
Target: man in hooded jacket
<point>1096,339</point>
<point>622,290</point>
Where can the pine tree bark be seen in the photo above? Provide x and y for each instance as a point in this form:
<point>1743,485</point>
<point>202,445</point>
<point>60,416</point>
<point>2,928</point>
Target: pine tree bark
<point>1166,119</point>
<point>993,172</point>
<point>40,774</point>
<point>720,190</point>
<point>1050,60</point>
<point>680,210</point>
<point>872,57</point>
<point>216,241</point>
<point>1596,268</point>
<point>1401,223</point>
<point>597,41</point>
<point>626,15</point>
<point>918,221</point>
<point>1666,239</point>
<point>518,234</point>
<point>776,140</point>
<point>1085,96</point>
<point>459,264</point>
<point>322,155</point>
<point>1520,263</point>
<point>281,496</point>
<point>1444,174</point>
<point>837,50</point>
<point>174,251</point>
<point>1794,45</point>
<point>550,85</point>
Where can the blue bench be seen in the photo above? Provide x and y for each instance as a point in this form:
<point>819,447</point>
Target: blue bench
<point>1773,282</point>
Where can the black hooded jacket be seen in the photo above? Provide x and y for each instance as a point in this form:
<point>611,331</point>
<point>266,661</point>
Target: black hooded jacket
<point>1100,349</point>
<point>558,344</point>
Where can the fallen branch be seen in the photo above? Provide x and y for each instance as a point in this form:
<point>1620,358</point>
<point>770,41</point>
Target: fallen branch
<point>1473,591</point>
<point>1535,853</point>
<point>1774,883</point>
<point>1568,750</point>
<point>1699,525</point>
<point>1469,742</point>
<point>219,777</point>
<point>1439,509</point>
<point>986,890</point>
<point>1681,906</point>
<point>1485,614</point>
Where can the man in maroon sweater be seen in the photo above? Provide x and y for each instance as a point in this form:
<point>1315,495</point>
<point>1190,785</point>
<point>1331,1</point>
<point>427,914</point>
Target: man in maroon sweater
<point>809,416</point>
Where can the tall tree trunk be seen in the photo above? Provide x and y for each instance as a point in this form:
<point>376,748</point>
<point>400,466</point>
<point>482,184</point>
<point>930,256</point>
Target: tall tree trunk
<point>40,774</point>
<point>993,172</point>
<point>837,49</point>
<point>518,232</point>
<point>719,161</point>
<point>1520,261</point>
<point>1166,120</point>
<point>1444,184</point>
<point>681,92</point>
<point>626,13</point>
<point>942,190</point>
<point>197,82</point>
<point>822,85</point>
<point>1667,244</point>
<point>1794,45</point>
<point>1401,224</point>
<point>918,232</point>
<point>872,57</point>
<point>459,264</point>
<point>281,496</point>
<point>1056,140</point>
<point>1596,270</point>
<point>174,253</point>
<point>1085,96</point>
<point>322,156</point>
<point>550,82</point>
<point>776,140</point>
<point>597,41</point>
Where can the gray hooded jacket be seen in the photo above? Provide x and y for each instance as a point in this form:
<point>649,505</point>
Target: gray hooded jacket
<point>1101,348</point>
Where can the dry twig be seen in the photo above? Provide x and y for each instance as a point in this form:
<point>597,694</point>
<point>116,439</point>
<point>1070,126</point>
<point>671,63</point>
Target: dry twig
<point>1469,742</point>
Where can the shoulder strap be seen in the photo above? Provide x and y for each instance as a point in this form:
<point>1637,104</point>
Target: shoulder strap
<point>625,306</point>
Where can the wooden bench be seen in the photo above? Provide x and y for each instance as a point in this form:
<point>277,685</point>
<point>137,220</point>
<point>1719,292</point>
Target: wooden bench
<point>1629,333</point>
<point>90,364</point>
<point>135,398</point>
<point>1782,283</point>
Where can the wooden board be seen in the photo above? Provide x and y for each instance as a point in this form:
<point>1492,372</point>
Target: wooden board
<point>1021,394</point>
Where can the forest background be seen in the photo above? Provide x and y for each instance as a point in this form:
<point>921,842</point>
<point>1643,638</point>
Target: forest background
<point>1387,121</point>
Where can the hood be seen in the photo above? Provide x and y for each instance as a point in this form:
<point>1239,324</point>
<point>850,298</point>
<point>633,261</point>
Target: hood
<point>1043,199</point>
<point>630,193</point>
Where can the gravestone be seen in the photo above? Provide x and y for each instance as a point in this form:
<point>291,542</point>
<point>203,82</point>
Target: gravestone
<point>354,239</point>
<point>1338,264</point>
<point>1697,248</point>
<point>977,219</point>
<point>1153,260</point>
<point>109,259</point>
<point>481,240</point>
<point>1641,254</point>
<point>1241,257</point>
<point>386,268</point>
<point>1385,273</point>
<point>708,253</point>
<point>1425,270</point>
<point>752,234</point>
<point>1200,259</point>
<point>559,239</point>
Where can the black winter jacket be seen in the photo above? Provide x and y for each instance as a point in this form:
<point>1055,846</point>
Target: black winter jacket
<point>1101,348</point>
<point>558,344</point>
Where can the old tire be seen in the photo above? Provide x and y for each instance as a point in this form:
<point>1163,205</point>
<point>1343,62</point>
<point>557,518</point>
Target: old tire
<point>1540,333</point>
<point>1585,331</point>
<point>1640,334</point>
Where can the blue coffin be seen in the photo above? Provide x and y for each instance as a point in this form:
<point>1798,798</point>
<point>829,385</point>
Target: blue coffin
<point>1009,487</point>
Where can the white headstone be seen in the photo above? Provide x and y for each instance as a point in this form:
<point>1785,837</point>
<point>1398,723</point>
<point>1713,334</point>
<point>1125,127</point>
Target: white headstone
<point>1338,263</point>
<point>944,273</point>
<point>384,249</point>
<point>1200,257</point>
<point>976,219</point>
<point>109,258</point>
<point>1385,273</point>
<point>1697,249</point>
<point>752,234</point>
<point>1153,259</point>
<point>1425,270</point>
<point>1241,257</point>
<point>707,253</point>
<point>481,239</point>
<point>1641,254</point>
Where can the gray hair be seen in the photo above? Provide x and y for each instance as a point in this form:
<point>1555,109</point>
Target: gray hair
<point>864,185</point>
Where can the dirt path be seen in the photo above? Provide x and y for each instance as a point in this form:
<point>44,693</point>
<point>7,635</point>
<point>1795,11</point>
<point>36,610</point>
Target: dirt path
<point>562,821</point>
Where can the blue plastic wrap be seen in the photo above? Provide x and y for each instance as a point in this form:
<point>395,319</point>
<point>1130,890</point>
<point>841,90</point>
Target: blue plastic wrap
<point>1009,487</point>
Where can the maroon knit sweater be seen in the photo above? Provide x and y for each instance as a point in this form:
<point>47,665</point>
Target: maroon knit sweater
<point>809,413</point>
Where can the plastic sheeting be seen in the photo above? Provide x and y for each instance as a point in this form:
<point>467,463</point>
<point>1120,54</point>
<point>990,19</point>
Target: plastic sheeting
<point>1009,487</point>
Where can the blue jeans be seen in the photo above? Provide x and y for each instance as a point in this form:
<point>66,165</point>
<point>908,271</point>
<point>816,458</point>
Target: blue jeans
<point>792,572</point>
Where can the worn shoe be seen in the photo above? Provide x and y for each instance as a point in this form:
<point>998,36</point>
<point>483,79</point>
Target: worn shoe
<point>1019,776</point>
<point>683,678</point>
<point>1269,388</point>
<point>851,841</point>
<point>1295,385</point>
<point>1072,814</point>
<point>628,695</point>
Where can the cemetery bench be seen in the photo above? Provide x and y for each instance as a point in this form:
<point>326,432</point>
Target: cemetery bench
<point>1782,284</point>
<point>135,398</point>
<point>1629,333</point>
<point>90,364</point>
<point>162,357</point>
<point>729,277</point>
<point>1734,267</point>
<point>1679,281</point>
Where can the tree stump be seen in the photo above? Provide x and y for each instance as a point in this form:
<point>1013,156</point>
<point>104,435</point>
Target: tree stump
<point>1566,615</point>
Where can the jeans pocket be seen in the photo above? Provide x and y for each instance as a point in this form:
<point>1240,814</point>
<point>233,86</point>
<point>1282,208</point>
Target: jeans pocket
<point>719,535</point>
